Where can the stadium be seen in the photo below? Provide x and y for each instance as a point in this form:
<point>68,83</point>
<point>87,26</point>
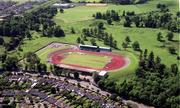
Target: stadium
<point>83,58</point>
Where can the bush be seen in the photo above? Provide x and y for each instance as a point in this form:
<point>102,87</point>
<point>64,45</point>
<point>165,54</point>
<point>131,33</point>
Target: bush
<point>172,50</point>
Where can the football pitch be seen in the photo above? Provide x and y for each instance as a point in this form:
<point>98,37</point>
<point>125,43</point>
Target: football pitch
<point>86,60</point>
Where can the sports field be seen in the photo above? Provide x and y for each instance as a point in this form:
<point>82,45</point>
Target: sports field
<point>71,56</point>
<point>87,60</point>
<point>83,60</point>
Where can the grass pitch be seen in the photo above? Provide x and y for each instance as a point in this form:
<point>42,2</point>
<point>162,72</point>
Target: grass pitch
<point>86,60</point>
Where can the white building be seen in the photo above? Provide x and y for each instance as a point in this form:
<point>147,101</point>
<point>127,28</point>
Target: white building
<point>64,6</point>
<point>103,73</point>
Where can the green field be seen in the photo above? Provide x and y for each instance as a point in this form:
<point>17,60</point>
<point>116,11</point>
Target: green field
<point>85,13</point>
<point>43,54</point>
<point>86,60</point>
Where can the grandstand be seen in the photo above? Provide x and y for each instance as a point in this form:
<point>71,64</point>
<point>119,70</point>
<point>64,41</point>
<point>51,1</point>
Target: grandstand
<point>94,48</point>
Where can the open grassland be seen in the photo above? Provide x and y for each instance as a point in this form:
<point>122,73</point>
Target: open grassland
<point>78,14</point>
<point>38,42</point>
<point>87,60</point>
<point>85,12</point>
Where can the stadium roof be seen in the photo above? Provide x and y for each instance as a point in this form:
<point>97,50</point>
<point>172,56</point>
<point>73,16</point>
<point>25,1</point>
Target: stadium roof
<point>88,46</point>
<point>105,48</point>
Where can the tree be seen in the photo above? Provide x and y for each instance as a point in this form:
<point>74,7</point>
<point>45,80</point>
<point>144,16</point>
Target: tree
<point>61,10</point>
<point>1,41</point>
<point>58,32</point>
<point>11,64</point>
<point>28,35</point>
<point>53,90</point>
<point>86,104</point>
<point>96,77</point>
<point>178,14</point>
<point>174,69</point>
<point>145,53</point>
<point>136,46</point>
<point>78,40</point>
<point>82,42</point>
<point>161,68</point>
<point>42,68</point>
<point>151,60</point>
<point>170,36</point>
<point>172,50</point>
<point>127,22</point>
<point>109,21</point>
<point>72,30</point>
<point>159,36</point>
<point>124,13</point>
<point>3,57</point>
<point>6,100</point>
<point>76,75</point>
<point>127,39</point>
<point>137,21</point>
<point>158,60</point>
<point>124,45</point>
<point>115,44</point>
<point>93,42</point>
<point>101,25</point>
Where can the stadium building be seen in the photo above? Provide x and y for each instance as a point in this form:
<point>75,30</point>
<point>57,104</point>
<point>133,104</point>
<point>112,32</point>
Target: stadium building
<point>63,6</point>
<point>94,48</point>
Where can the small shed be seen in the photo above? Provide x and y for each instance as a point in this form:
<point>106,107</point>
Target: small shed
<point>103,73</point>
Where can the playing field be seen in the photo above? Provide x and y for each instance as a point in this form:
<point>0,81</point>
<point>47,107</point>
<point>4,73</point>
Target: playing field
<point>86,60</point>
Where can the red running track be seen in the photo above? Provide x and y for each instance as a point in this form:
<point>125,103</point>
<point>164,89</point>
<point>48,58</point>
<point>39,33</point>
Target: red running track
<point>117,61</point>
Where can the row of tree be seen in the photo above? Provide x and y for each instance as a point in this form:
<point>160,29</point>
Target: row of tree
<point>100,34</point>
<point>32,63</point>
<point>109,15</point>
<point>127,44</point>
<point>153,20</point>
<point>170,37</point>
<point>153,83</point>
<point>19,27</point>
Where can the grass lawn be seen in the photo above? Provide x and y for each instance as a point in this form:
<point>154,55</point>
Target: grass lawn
<point>43,54</point>
<point>87,60</point>
<point>128,71</point>
<point>85,13</point>
<point>78,14</point>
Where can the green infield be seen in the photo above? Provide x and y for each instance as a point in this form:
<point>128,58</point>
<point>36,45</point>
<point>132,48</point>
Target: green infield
<point>86,60</point>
